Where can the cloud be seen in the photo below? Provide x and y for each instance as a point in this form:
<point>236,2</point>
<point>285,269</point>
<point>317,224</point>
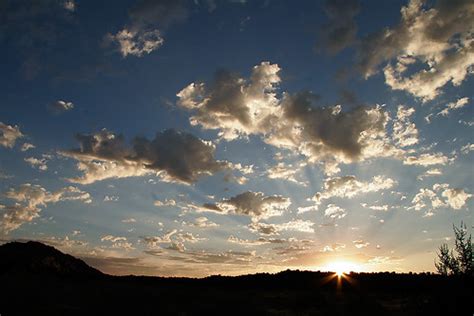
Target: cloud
<point>137,43</point>
<point>335,212</point>
<point>32,31</point>
<point>456,198</point>
<point>341,30</point>
<point>27,146</point>
<point>175,240</point>
<point>430,173</point>
<point>253,204</point>
<point>333,248</point>
<point>257,242</point>
<point>69,5</point>
<point>405,132</point>
<point>384,207</point>
<point>167,202</point>
<point>40,163</point>
<point>360,244</point>
<point>171,155</point>
<point>60,107</point>
<point>29,199</point>
<point>148,18</point>
<point>117,242</point>
<point>286,172</point>
<point>467,148</point>
<point>349,186</point>
<point>438,38</point>
<point>275,229</point>
<point>239,107</point>
<point>203,222</point>
<point>431,199</point>
<point>426,159</point>
<point>235,106</point>
<point>9,134</point>
<point>460,103</point>
<point>111,198</point>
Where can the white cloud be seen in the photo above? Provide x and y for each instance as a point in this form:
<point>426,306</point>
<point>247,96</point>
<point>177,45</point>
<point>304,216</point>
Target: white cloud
<point>467,148</point>
<point>29,199</point>
<point>360,244</point>
<point>166,202</point>
<point>137,42</point>
<point>40,163</point>
<point>27,146</point>
<point>111,198</point>
<point>456,198</point>
<point>334,212</point>
<point>61,106</point>
<point>349,186</point>
<point>405,132</point>
<point>203,222</point>
<point>9,134</point>
<point>454,105</point>
<point>426,159</point>
<point>431,199</point>
<point>438,38</point>
<point>69,5</point>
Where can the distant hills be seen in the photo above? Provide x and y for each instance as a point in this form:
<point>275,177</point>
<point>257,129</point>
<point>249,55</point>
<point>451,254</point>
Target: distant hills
<point>33,257</point>
<point>37,279</point>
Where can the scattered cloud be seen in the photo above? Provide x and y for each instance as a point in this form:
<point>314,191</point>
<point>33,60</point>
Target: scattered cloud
<point>431,199</point>
<point>202,222</point>
<point>27,146</point>
<point>349,186</point>
<point>335,212</point>
<point>9,134</point>
<point>30,198</point>
<point>60,107</point>
<point>360,244</point>
<point>148,18</point>
<point>166,202</point>
<point>405,132</point>
<point>460,103</point>
<point>426,159</point>
<point>438,38</point>
<point>39,163</point>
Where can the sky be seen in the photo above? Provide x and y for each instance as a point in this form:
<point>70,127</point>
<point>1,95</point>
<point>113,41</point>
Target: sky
<point>189,138</point>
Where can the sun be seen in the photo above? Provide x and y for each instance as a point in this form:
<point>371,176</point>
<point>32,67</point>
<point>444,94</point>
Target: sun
<point>342,267</point>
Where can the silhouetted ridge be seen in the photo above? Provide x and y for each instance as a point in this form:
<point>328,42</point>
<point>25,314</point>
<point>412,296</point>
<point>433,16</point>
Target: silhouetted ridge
<point>36,258</point>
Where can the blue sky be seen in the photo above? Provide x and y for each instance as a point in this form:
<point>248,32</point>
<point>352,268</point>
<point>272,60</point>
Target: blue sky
<point>198,137</point>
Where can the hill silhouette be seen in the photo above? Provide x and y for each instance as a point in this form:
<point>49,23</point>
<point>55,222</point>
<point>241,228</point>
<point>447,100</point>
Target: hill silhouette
<point>36,258</point>
<point>39,280</point>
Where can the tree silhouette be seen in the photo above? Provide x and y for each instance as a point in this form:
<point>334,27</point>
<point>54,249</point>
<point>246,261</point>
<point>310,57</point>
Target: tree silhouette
<point>460,261</point>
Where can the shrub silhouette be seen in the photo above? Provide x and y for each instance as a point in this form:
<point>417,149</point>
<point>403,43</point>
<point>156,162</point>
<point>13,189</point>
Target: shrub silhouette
<point>460,261</point>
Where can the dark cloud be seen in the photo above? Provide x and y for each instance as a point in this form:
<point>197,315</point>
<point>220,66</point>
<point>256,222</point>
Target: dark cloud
<point>341,30</point>
<point>239,107</point>
<point>173,155</point>
<point>253,204</point>
<point>34,29</point>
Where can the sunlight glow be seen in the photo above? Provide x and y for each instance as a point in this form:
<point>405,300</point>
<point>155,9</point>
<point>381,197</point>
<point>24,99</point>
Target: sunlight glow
<point>342,267</point>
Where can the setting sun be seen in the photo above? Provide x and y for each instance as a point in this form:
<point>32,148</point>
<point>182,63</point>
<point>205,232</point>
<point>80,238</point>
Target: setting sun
<point>342,267</point>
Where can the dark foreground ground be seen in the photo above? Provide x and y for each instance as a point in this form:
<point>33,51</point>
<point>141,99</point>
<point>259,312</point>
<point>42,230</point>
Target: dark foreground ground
<point>39,280</point>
